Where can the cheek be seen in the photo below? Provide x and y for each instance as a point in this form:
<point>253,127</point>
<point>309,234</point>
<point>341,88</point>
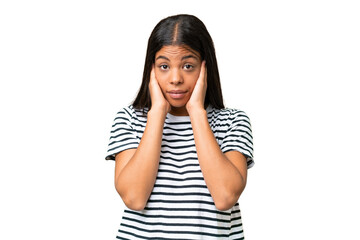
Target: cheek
<point>192,79</point>
<point>161,79</point>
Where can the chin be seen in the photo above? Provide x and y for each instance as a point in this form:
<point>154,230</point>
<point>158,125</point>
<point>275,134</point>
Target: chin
<point>176,104</point>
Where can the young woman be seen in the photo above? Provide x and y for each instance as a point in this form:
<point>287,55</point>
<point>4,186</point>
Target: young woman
<point>181,157</point>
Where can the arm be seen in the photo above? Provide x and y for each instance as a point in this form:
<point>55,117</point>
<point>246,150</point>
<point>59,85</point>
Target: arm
<point>225,174</point>
<point>136,169</point>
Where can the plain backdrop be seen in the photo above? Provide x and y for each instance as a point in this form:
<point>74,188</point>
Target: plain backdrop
<point>67,67</point>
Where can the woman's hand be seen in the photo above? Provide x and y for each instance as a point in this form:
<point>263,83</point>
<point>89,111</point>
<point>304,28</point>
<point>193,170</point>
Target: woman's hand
<point>158,100</point>
<point>197,98</point>
<point>136,169</point>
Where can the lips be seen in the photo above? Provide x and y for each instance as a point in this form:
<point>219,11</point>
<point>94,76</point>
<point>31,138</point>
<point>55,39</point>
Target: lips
<point>177,94</point>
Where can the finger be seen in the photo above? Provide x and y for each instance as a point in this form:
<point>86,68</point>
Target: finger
<point>154,85</point>
<point>152,73</point>
<point>203,73</point>
<point>202,70</point>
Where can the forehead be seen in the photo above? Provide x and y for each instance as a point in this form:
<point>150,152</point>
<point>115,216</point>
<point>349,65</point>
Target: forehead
<point>177,52</point>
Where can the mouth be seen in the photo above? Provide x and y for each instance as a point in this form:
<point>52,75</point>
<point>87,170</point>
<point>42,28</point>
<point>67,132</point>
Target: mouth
<point>177,94</point>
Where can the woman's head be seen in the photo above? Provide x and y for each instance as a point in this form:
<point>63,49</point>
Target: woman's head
<point>187,32</point>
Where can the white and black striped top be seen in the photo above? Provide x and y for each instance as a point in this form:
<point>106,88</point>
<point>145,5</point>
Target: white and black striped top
<point>180,205</point>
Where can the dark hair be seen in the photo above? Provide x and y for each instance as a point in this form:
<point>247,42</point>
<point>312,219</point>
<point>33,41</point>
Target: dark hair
<point>182,30</point>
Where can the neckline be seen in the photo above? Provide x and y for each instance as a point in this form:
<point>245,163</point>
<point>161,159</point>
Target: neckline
<point>171,116</point>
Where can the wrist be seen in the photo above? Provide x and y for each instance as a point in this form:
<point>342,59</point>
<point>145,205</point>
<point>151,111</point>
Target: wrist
<point>195,111</point>
<point>157,113</point>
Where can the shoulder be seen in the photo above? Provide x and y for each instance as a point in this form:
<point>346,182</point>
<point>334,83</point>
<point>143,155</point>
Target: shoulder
<point>126,111</point>
<point>130,113</point>
<point>228,115</point>
<point>130,117</point>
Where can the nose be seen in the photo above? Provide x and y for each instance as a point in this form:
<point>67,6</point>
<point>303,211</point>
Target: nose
<point>176,77</point>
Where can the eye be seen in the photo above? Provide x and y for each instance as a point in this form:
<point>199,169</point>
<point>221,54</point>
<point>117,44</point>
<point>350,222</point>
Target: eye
<point>188,66</point>
<point>164,67</point>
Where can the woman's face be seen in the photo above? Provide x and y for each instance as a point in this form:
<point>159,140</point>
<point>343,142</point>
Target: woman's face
<point>177,69</point>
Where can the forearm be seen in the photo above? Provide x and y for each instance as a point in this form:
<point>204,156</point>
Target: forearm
<point>223,179</point>
<point>136,180</point>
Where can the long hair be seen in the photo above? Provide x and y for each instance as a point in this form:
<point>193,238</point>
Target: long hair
<point>180,30</point>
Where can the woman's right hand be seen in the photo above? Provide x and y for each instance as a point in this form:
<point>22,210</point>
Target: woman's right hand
<point>158,101</point>
<point>136,169</point>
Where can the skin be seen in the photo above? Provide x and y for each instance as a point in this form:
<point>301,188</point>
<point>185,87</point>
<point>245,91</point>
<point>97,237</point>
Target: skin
<point>179,69</point>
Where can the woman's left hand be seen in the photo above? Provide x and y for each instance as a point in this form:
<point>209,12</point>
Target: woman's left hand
<point>197,98</point>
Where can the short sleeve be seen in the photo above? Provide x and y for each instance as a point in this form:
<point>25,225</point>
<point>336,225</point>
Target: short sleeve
<point>238,136</point>
<point>122,135</point>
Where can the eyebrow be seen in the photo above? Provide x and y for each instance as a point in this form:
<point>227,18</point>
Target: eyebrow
<point>183,58</point>
<point>162,57</point>
<point>188,56</point>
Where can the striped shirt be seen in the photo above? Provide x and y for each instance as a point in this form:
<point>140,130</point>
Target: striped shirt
<point>180,205</point>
